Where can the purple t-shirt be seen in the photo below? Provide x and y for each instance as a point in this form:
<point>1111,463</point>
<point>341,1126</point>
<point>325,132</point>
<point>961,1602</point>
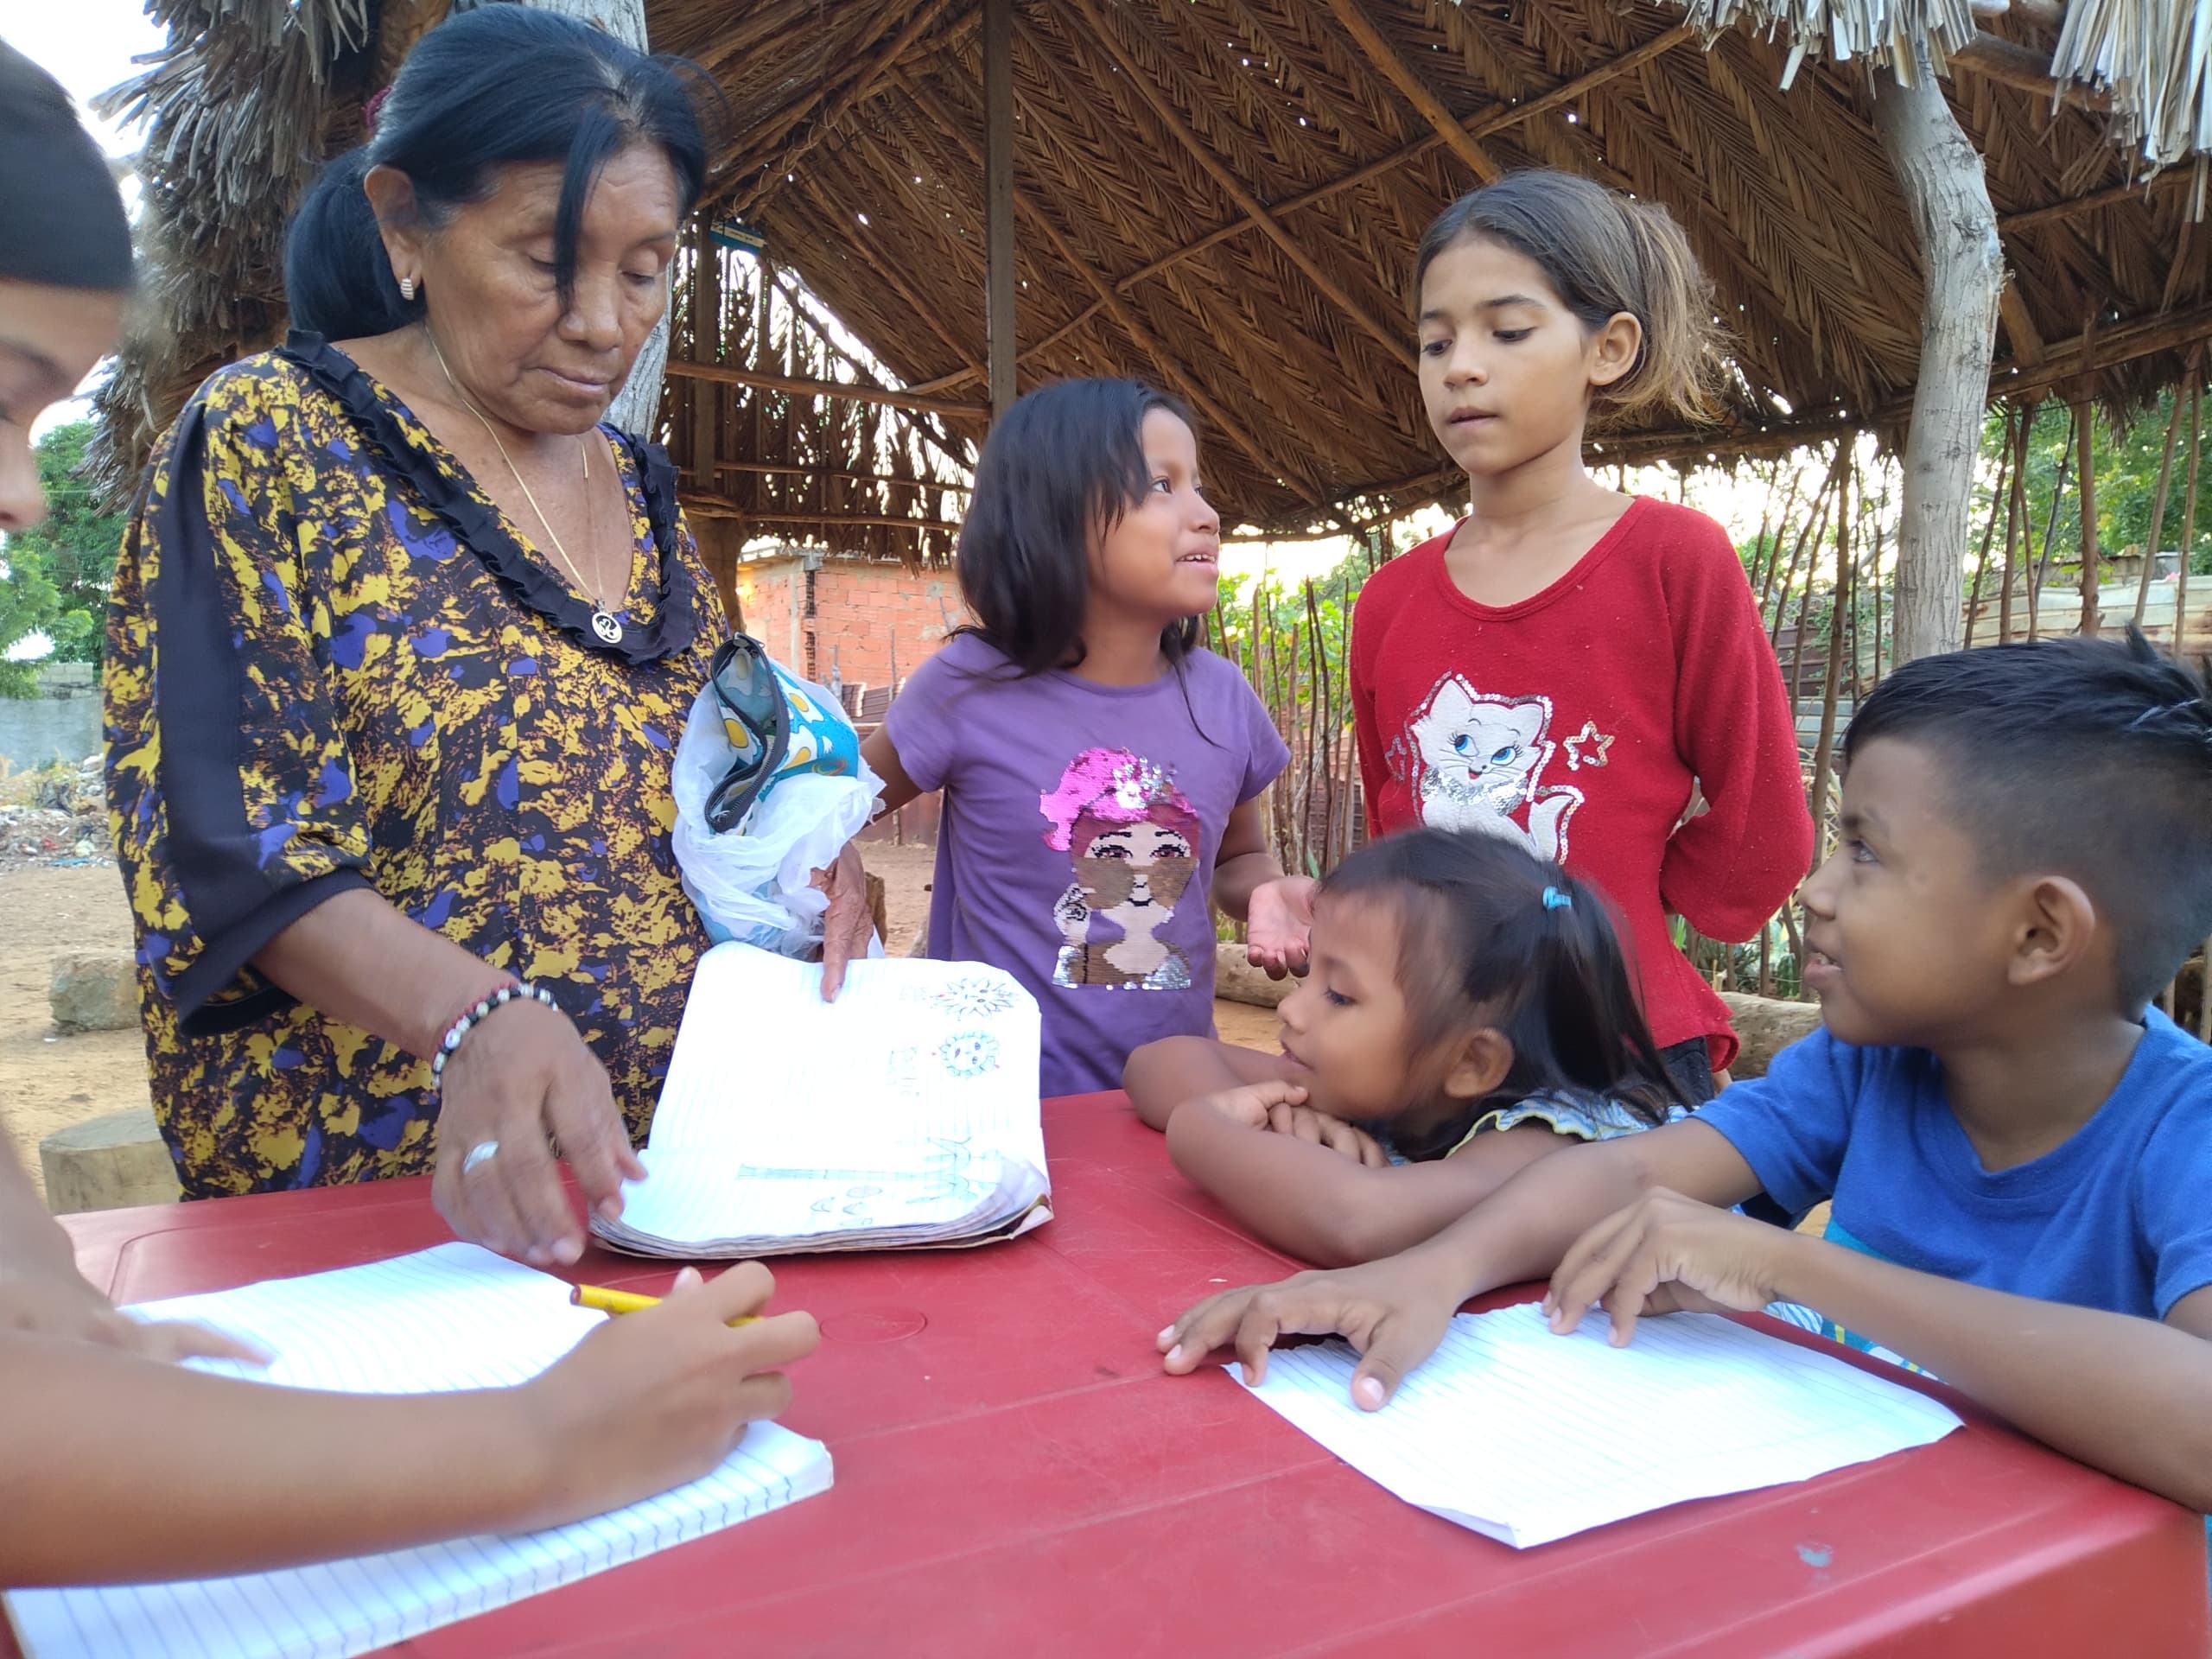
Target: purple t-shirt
<point>1077,842</point>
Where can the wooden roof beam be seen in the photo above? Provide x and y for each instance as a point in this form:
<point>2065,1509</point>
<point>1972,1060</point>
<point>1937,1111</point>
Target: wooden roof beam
<point>1393,340</point>
<point>1499,119</point>
<point>2071,207</point>
<point>858,392</point>
<point>1353,16</point>
<point>1996,59</point>
<point>859,88</point>
<point>1170,369</point>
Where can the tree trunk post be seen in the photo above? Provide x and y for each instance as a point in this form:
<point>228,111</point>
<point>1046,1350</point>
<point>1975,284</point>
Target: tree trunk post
<point>2085,486</point>
<point>998,187</point>
<point>1947,198</point>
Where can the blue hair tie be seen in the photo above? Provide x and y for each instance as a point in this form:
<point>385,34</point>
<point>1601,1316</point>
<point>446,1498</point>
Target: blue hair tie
<point>1554,900</point>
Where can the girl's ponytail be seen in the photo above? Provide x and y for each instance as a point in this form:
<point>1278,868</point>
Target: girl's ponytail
<point>1681,358</point>
<point>1595,1032</point>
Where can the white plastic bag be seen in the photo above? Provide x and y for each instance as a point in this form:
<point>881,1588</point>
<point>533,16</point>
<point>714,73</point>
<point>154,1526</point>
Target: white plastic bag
<point>754,883</point>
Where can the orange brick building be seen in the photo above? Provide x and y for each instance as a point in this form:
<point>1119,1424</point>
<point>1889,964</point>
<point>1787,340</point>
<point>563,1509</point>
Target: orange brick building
<point>861,624</point>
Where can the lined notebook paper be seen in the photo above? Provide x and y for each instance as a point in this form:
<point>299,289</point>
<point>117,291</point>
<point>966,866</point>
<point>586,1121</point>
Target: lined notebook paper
<point>1525,1436</point>
<point>903,1114</point>
<point>455,1317</point>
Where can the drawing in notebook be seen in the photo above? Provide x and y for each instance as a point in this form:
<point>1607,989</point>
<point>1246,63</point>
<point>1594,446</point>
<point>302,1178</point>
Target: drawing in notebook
<point>1697,1406</point>
<point>904,1115</point>
<point>455,1317</point>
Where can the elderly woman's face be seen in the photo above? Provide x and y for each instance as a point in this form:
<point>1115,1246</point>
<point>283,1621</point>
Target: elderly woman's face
<point>497,313</point>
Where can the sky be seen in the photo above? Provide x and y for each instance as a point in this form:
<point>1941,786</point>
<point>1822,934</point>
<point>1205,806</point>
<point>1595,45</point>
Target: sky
<point>86,45</point>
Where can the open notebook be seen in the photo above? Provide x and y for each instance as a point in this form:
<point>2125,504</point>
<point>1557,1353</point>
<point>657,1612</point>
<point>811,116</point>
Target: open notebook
<point>455,1317</point>
<point>903,1114</point>
<point>1525,1436</point>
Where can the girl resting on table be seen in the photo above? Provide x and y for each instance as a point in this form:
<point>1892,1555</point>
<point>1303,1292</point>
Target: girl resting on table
<point>1102,772</point>
<point>1467,1011</point>
<point>117,1464</point>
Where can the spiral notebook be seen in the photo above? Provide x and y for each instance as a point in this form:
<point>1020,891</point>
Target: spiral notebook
<point>455,1317</point>
<point>1525,1436</point>
<point>903,1116</point>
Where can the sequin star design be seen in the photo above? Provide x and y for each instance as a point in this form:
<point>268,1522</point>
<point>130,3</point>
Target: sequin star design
<point>1587,748</point>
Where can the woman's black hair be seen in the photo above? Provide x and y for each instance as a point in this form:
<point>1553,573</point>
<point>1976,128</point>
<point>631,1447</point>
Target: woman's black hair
<point>1060,469</point>
<point>496,86</point>
<point>61,218</point>
<point>1487,928</point>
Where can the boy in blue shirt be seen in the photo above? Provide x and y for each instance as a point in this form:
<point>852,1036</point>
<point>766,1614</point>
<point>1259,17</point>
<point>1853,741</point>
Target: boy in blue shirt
<point>2018,1146</point>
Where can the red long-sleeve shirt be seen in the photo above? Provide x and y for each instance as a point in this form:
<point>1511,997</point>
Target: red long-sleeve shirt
<point>1578,721</point>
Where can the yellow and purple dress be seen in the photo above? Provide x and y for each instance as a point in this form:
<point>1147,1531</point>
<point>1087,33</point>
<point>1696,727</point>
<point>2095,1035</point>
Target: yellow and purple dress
<point>333,664</point>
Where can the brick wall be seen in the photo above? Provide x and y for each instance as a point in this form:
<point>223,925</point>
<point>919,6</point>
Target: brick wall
<point>871,619</point>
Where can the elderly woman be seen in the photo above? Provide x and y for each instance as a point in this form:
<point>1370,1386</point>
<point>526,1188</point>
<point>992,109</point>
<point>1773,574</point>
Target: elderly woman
<point>401,644</point>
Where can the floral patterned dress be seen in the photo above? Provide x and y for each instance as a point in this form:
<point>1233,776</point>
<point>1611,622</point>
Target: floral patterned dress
<point>333,664</point>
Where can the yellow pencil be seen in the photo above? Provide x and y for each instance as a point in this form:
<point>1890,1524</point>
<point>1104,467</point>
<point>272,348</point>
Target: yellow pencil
<point>628,1302</point>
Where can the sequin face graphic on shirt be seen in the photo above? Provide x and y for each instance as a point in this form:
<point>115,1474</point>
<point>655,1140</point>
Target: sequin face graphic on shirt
<point>1132,839</point>
<point>1476,763</point>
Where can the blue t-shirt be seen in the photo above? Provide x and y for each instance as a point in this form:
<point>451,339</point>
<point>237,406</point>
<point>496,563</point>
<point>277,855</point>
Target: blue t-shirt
<point>2119,1217</point>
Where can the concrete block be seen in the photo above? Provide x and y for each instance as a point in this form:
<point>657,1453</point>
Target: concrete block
<point>1766,1026</point>
<point>94,990</point>
<point>107,1163</point>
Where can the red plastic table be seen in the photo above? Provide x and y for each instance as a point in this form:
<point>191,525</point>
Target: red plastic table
<point>1016,1476</point>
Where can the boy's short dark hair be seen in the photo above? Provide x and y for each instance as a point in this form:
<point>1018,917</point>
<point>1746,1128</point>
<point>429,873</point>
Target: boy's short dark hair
<point>2088,758</point>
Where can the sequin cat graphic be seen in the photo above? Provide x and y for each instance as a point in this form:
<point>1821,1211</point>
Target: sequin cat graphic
<point>1132,838</point>
<point>1477,761</point>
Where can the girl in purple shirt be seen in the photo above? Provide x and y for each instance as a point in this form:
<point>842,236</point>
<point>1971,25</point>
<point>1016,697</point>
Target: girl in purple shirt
<point>1102,772</point>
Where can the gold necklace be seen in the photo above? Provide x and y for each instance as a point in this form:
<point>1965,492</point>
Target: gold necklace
<point>604,623</point>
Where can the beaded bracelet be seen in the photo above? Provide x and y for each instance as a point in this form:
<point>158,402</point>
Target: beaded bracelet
<point>476,1016</point>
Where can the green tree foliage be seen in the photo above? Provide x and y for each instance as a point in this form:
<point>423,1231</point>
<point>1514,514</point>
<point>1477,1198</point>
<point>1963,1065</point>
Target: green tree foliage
<point>57,572</point>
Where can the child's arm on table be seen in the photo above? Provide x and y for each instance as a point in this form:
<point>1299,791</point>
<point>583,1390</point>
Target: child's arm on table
<point>2131,1396</point>
<point>1316,1204</point>
<point>131,1470</point>
<point>1396,1310</point>
<point>1166,1073</point>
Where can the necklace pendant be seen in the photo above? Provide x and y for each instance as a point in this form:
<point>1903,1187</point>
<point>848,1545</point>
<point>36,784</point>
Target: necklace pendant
<point>607,627</point>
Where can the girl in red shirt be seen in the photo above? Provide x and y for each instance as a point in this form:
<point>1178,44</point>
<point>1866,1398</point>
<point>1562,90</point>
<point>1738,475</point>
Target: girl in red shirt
<point>1570,668</point>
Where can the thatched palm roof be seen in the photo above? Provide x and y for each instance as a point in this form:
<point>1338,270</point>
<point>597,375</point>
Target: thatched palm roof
<point>1224,195</point>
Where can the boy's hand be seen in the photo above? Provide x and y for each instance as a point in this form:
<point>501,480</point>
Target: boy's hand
<point>1667,1254</point>
<point>1279,925</point>
<point>1394,1312</point>
<point>658,1397</point>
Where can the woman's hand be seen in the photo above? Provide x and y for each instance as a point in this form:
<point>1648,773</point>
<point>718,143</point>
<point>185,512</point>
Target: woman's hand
<point>658,1397</point>
<point>63,1304</point>
<point>1279,926</point>
<point>521,1082</point>
<point>846,926</point>
<point>1394,1312</point>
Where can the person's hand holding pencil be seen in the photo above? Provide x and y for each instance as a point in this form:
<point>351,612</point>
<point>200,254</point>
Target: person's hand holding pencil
<point>660,1396</point>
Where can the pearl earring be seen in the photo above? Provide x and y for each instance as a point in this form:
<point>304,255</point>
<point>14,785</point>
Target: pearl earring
<point>407,288</point>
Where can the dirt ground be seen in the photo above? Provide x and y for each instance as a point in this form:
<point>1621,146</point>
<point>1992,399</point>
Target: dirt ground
<point>49,1082</point>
